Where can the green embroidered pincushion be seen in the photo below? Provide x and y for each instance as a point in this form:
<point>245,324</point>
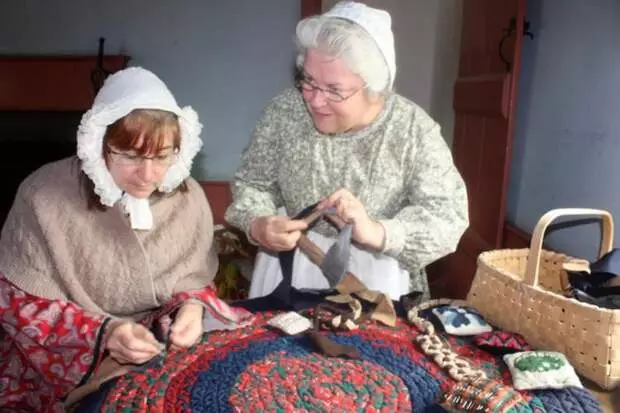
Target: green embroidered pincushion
<point>541,370</point>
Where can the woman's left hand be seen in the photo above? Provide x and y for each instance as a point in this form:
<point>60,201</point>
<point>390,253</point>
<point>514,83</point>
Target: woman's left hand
<point>349,210</point>
<point>187,326</point>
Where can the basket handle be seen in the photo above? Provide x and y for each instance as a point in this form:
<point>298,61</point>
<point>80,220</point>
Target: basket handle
<point>533,258</point>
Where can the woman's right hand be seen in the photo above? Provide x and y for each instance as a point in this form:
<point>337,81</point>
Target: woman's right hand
<point>132,343</point>
<point>277,233</point>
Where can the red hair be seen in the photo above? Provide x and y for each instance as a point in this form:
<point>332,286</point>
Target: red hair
<point>144,131</point>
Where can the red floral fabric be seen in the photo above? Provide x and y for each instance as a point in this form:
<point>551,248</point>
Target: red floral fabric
<point>48,347</point>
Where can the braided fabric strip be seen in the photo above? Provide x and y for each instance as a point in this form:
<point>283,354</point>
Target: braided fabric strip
<point>433,346</point>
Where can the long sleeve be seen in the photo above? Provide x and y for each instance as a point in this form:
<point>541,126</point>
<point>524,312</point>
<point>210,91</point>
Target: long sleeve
<point>255,189</point>
<point>399,167</point>
<point>207,297</point>
<point>52,340</point>
<point>436,216</point>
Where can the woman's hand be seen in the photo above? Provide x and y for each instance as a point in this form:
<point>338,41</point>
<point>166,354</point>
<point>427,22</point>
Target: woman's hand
<point>187,327</point>
<point>277,233</point>
<point>132,343</point>
<point>349,210</point>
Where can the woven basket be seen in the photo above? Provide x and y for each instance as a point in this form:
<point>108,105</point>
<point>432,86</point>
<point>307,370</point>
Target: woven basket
<point>522,290</point>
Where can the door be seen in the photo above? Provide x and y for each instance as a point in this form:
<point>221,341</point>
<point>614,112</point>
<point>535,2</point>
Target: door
<point>484,106</point>
<point>310,7</point>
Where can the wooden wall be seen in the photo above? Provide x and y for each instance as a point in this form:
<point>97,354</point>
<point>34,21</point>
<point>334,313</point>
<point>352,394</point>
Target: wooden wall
<point>218,194</point>
<point>51,83</point>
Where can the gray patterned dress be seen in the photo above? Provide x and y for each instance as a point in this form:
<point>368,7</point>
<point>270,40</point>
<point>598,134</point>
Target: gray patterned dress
<point>399,167</point>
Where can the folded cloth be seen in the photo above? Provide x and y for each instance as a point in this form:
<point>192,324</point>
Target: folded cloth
<point>350,286</point>
<point>611,301</point>
<point>598,284</point>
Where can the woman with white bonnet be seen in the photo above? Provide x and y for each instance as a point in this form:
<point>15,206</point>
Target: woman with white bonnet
<point>98,248</point>
<point>345,139</point>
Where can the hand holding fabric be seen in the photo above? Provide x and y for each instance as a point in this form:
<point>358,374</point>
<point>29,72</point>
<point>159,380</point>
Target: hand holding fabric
<point>349,210</point>
<point>187,327</point>
<point>132,343</point>
<point>277,233</point>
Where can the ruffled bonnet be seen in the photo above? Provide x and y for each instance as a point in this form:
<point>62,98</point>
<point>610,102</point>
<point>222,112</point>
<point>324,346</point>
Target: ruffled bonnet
<point>122,92</point>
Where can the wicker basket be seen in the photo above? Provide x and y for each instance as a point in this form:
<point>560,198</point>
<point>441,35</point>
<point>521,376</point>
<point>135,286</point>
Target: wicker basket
<point>521,290</point>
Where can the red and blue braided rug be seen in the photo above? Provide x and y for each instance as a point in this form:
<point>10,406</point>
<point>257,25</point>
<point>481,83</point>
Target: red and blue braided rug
<point>256,369</point>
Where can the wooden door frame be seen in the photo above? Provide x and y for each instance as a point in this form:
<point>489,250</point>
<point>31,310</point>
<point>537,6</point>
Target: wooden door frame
<point>511,107</point>
<point>515,237</point>
<point>508,94</point>
<point>452,275</point>
<point>311,7</point>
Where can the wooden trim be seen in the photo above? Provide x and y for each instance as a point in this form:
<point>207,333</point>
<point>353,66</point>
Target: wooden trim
<point>494,101</point>
<point>51,83</point>
<point>509,106</point>
<point>514,237</point>
<point>447,284</point>
<point>219,196</point>
<point>311,7</point>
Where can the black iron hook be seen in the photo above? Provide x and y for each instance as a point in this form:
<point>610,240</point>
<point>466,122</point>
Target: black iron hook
<point>99,74</point>
<point>512,26</point>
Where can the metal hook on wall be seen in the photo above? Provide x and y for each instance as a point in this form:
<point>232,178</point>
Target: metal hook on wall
<point>99,74</point>
<point>512,26</point>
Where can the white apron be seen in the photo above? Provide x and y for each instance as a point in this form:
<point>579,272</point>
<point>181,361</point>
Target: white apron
<point>377,271</point>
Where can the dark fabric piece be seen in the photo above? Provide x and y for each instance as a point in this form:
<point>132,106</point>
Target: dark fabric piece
<point>591,289</point>
<point>94,401</point>
<point>330,347</point>
<point>304,301</point>
<point>285,293</point>
<point>611,301</point>
<point>608,264</point>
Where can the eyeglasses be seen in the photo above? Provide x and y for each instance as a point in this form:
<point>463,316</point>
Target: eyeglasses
<point>330,94</point>
<point>127,159</point>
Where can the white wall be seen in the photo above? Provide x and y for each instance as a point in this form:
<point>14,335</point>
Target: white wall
<point>427,39</point>
<point>225,58</point>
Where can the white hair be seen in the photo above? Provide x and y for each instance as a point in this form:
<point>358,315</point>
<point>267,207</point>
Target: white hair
<point>340,38</point>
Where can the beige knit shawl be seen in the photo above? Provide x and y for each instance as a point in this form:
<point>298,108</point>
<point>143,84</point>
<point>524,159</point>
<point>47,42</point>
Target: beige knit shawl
<point>54,247</point>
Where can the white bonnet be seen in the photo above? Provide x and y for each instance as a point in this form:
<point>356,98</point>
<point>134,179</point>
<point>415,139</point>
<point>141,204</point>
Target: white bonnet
<point>377,22</point>
<point>122,92</point>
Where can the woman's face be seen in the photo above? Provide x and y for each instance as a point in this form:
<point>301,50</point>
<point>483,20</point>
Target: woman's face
<point>334,95</point>
<point>138,175</point>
